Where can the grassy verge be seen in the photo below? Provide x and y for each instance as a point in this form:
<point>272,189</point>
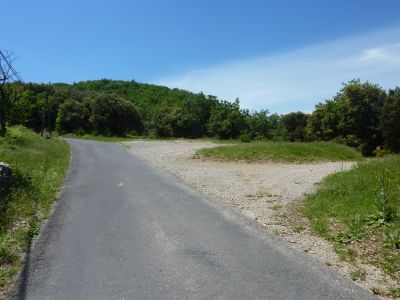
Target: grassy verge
<point>282,151</point>
<point>116,139</point>
<point>100,138</point>
<point>358,210</point>
<point>219,141</point>
<point>39,166</point>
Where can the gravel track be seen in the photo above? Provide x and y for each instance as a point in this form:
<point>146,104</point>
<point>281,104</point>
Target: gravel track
<point>259,188</point>
<point>126,230</point>
<point>266,192</point>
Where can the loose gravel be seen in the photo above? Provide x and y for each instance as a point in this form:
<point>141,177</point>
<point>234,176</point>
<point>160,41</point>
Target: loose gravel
<point>266,192</point>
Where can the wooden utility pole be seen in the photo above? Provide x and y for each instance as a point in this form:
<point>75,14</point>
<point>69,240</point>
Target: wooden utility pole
<point>43,117</point>
<point>46,116</point>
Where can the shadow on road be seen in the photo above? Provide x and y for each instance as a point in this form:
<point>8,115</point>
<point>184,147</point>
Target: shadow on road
<point>20,288</point>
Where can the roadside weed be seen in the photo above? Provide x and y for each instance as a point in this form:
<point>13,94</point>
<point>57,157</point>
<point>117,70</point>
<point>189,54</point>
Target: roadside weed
<point>38,167</point>
<point>358,210</point>
<point>295,152</point>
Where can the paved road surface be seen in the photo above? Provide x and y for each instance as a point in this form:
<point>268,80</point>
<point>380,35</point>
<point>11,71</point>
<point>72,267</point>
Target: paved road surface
<point>125,230</point>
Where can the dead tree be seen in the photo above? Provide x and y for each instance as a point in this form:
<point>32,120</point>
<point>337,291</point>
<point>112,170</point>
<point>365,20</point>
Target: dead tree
<point>7,73</point>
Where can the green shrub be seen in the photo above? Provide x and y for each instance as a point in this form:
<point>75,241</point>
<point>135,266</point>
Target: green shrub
<point>8,251</point>
<point>245,138</point>
<point>357,206</point>
<point>39,166</point>
<point>282,151</point>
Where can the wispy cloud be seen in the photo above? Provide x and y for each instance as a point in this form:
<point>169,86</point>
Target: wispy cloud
<point>300,79</point>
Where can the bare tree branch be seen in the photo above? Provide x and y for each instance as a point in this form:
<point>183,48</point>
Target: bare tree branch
<point>7,70</point>
<point>7,73</point>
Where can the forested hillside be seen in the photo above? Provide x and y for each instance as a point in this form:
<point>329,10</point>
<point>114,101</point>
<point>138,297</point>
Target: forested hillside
<point>362,115</point>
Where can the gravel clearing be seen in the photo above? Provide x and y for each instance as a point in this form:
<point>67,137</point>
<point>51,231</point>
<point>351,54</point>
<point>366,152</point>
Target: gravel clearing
<point>266,192</point>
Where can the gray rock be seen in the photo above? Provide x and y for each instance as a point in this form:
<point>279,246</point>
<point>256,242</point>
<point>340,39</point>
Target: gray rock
<point>5,176</point>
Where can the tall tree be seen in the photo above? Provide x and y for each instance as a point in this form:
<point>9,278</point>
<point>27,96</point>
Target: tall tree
<point>390,120</point>
<point>227,120</point>
<point>258,123</point>
<point>113,115</point>
<point>294,125</point>
<point>7,72</point>
<point>73,116</point>
<point>361,105</point>
<point>324,120</point>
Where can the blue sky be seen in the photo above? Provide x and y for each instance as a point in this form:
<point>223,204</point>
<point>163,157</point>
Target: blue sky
<point>280,55</point>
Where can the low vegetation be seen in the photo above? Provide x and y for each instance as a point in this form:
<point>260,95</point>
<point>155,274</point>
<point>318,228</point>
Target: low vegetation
<point>358,210</point>
<point>362,115</point>
<point>282,151</point>
<point>39,166</point>
<point>101,138</point>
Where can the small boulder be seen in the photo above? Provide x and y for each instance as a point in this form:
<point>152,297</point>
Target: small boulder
<point>5,176</point>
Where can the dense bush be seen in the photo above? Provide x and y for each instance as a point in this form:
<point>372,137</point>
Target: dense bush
<point>353,115</point>
<point>323,123</point>
<point>294,125</point>
<point>165,122</point>
<point>112,115</point>
<point>73,116</point>
<point>258,124</point>
<point>361,115</point>
<point>227,120</point>
<point>361,105</point>
<point>390,120</point>
<point>101,114</point>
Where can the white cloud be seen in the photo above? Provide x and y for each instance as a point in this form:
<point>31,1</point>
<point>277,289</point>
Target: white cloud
<point>389,54</point>
<point>300,79</point>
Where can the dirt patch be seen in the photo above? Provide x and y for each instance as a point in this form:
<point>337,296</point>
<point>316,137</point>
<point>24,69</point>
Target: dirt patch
<point>266,192</point>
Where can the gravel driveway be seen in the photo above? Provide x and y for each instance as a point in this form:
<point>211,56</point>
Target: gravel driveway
<point>265,192</point>
<point>259,189</point>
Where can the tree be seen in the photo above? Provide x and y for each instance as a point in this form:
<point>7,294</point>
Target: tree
<point>32,105</point>
<point>194,116</point>
<point>226,120</point>
<point>274,122</point>
<point>258,123</point>
<point>7,72</point>
<point>165,122</point>
<point>113,115</point>
<point>73,116</point>
<point>294,125</point>
<point>360,105</point>
<point>323,122</point>
<point>390,120</point>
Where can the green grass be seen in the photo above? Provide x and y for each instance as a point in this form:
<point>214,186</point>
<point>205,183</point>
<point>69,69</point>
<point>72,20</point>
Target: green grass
<point>282,152</point>
<point>39,166</point>
<point>358,210</point>
<point>116,139</point>
<point>219,141</point>
<point>100,138</point>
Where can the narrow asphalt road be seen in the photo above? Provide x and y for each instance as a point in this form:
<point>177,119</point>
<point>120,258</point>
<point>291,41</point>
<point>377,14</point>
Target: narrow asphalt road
<point>126,230</point>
